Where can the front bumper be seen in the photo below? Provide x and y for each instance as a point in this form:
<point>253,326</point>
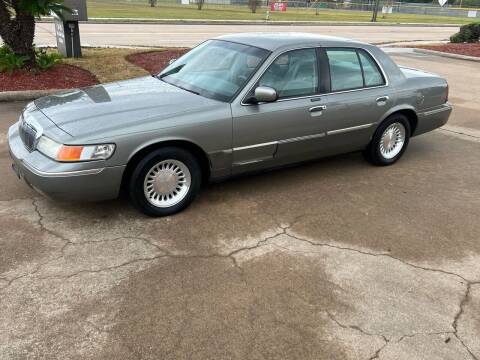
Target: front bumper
<point>89,181</point>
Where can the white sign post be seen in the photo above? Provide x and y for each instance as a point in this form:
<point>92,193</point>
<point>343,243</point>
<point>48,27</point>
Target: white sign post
<point>442,2</point>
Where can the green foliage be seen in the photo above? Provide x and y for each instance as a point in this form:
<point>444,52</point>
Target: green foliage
<point>42,7</point>
<point>468,3</point>
<point>45,60</point>
<point>456,38</point>
<point>468,33</point>
<point>9,61</point>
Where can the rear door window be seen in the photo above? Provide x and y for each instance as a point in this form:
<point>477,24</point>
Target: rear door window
<point>345,69</point>
<point>371,72</point>
<point>352,69</point>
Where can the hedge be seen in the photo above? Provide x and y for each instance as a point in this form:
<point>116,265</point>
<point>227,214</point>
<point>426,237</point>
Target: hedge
<point>468,33</point>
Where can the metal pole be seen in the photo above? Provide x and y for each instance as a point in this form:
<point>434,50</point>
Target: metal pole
<point>71,38</point>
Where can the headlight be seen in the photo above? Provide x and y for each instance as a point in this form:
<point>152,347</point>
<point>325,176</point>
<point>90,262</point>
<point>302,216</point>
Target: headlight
<point>61,152</point>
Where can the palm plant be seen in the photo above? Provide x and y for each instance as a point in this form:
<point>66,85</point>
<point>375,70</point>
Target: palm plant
<point>17,23</point>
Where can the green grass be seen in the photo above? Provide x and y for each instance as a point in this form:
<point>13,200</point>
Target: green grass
<point>118,9</point>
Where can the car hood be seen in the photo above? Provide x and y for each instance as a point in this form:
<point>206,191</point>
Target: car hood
<point>97,110</point>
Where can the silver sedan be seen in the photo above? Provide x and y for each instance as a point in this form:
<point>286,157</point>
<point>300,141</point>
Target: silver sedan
<point>234,104</point>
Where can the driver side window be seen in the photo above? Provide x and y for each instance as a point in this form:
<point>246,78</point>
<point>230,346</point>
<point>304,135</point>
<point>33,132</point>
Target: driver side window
<point>293,74</point>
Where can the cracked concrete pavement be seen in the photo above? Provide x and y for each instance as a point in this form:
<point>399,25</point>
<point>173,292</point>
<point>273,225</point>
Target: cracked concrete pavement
<point>334,259</point>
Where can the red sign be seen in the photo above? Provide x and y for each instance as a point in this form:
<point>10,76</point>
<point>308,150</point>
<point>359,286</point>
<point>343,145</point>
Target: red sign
<point>278,6</point>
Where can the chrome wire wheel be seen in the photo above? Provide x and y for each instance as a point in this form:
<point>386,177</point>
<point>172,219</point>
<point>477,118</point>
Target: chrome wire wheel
<point>392,140</point>
<point>167,183</point>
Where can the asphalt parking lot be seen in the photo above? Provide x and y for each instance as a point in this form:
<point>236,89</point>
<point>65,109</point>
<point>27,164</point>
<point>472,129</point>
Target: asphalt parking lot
<point>335,259</point>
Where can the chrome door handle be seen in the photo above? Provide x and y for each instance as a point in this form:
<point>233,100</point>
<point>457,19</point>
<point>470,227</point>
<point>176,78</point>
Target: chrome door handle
<point>382,99</point>
<point>318,108</point>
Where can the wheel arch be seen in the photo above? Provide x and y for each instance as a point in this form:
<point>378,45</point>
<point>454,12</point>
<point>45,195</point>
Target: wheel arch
<point>408,111</point>
<point>185,144</point>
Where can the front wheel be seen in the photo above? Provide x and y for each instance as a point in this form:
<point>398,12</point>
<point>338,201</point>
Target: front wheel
<point>165,182</point>
<point>389,141</point>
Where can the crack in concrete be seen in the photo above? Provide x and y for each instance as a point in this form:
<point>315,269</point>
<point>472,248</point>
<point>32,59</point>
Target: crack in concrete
<point>336,321</point>
<point>44,228</point>
<point>377,255</point>
<point>468,284</point>
<point>231,255</point>
<point>108,268</point>
<point>359,329</point>
<point>459,314</point>
<point>354,327</point>
<point>376,355</point>
<point>460,133</point>
<point>401,338</point>
<point>453,333</point>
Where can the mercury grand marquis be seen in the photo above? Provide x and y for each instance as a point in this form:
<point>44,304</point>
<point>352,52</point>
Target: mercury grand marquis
<point>234,104</point>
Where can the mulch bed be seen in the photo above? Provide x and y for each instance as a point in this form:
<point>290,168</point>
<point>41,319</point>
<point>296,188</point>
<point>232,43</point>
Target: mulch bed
<point>63,76</point>
<point>60,76</point>
<point>155,61</point>
<point>461,49</point>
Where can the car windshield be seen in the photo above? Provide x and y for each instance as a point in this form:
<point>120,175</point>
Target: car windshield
<point>215,69</point>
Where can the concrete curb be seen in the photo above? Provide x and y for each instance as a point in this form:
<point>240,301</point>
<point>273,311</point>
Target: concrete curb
<point>26,95</point>
<point>448,55</point>
<point>246,22</point>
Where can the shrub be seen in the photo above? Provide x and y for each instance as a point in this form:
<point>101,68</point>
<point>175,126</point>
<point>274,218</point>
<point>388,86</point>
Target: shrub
<point>45,60</point>
<point>9,61</point>
<point>468,33</point>
<point>456,38</point>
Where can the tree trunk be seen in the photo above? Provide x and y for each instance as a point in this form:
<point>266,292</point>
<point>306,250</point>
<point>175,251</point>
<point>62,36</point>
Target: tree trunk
<point>253,6</point>
<point>18,32</point>
<point>375,10</point>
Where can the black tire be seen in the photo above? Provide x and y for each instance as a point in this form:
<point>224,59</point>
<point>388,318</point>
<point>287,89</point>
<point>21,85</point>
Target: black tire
<point>137,181</point>
<point>373,154</point>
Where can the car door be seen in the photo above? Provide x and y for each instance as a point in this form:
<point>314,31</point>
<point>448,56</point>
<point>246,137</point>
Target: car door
<point>357,99</point>
<point>287,128</point>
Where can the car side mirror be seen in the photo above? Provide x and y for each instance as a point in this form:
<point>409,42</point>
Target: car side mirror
<point>171,61</point>
<point>265,94</point>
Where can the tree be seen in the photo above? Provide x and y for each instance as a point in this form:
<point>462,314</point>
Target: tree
<point>17,22</point>
<point>152,3</point>
<point>252,4</point>
<point>200,4</point>
<point>376,5</point>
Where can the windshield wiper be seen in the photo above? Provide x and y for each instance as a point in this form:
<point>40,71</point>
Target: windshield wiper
<point>170,72</point>
<point>192,91</point>
<point>178,86</point>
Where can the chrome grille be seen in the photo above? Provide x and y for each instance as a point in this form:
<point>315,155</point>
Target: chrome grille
<point>28,135</point>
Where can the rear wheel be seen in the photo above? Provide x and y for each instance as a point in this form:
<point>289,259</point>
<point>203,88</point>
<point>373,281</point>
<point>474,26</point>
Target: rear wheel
<point>389,141</point>
<point>165,182</point>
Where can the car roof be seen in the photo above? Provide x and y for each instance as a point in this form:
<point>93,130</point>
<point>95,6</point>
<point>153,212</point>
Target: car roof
<point>280,40</point>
